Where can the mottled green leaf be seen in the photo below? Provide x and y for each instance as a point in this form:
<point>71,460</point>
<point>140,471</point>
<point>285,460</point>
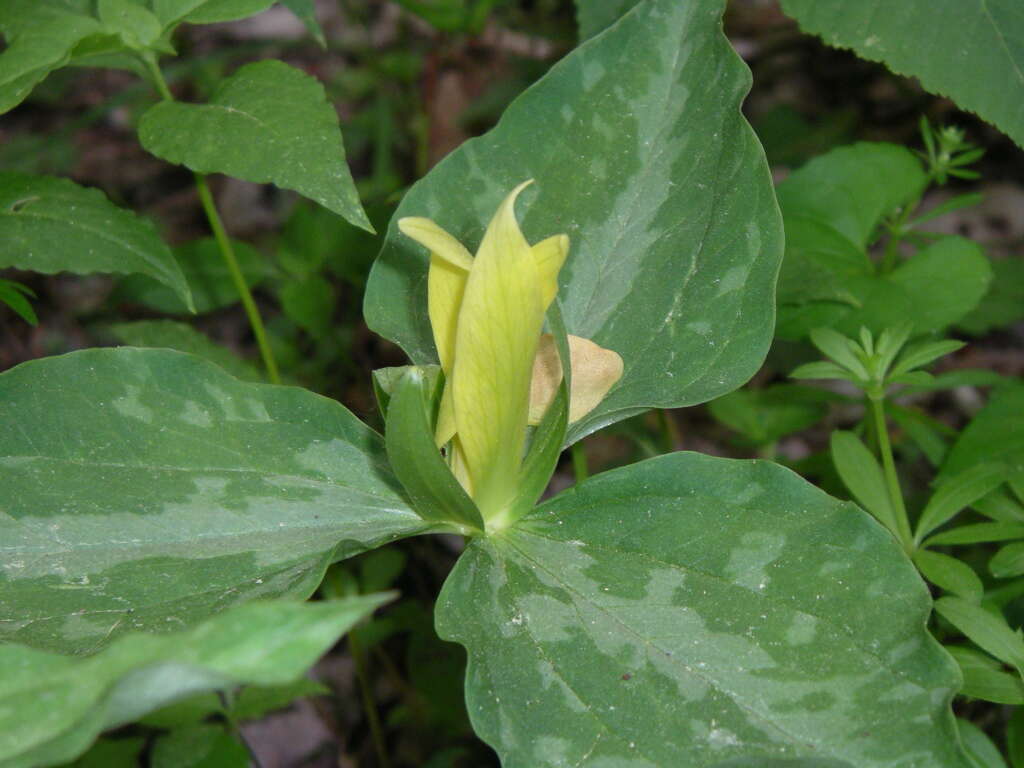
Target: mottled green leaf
<point>641,156</point>
<point>206,274</point>
<point>53,225</point>
<point>968,50</point>
<point>594,16</point>
<point>689,611</point>
<point>268,122</point>
<point>52,707</point>
<point>148,489</point>
<point>833,208</point>
<point>168,334</point>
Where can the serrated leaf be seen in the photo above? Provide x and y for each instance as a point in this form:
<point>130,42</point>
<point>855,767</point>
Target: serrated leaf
<point>267,123</point>
<point>172,493</point>
<point>983,71</point>
<point>206,274</point>
<point>833,207</point>
<point>674,236</point>
<point>40,36</point>
<point>688,611</point>
<point>53,225</point>
<point>55,706</point>
<point>169,334</point>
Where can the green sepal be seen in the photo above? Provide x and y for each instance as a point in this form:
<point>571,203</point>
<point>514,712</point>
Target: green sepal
<point>433,491</point>
<point>386,379</point>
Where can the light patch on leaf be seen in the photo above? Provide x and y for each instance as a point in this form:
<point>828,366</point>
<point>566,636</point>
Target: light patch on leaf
<point>748,562</point>
<point>129,405</point>
<point>803,629</point>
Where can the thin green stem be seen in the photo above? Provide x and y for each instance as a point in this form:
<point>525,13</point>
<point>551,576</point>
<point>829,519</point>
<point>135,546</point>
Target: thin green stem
<point>228,252</point>
<point>223,242</point>
<point>891,480</point>
<point>227,702</point>
<point>669,430</point>
<point>369,705</point>
<point>579,462</point>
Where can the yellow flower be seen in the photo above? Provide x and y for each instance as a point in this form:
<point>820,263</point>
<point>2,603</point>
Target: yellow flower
<point>487,314</point>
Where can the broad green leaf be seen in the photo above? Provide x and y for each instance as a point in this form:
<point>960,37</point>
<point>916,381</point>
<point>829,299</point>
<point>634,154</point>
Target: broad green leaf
<point>52,707</point>
<point>40,36</point>
<point>763,416</point>
<point>969,51</point>
<point>171,12</point>
<point>862,475</point>
<point>594,16</point>
<point>53,225</point>
<point>987,629</point>
<point>268,122</point>
<point>1008,561</point>
<point>984,677</point>
<point>978,746</point>
<point>148,489</point>
<point>168,334</point>
<point>949,574</point>
<point>199,746</point>
<point>641,156</point>
<point>135,24</point>
<point>688,611</point>
<point>206,274</point>
<point>433,491</point>
<point>833,208</point>
<point>309,303</point>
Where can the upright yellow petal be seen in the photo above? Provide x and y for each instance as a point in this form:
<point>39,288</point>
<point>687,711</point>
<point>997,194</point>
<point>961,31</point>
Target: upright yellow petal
<point>450,263</point>
<point>550,256</point>
<point>498,330</point>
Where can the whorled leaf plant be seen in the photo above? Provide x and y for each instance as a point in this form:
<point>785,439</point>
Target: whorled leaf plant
<point>686,610</point>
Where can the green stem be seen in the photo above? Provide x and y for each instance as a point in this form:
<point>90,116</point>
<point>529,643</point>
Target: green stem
<point>369,706</point>
<point>669,430</point>
<point>227,702</point>
<point>228,252</point>
<point>579,462</point>
<point>891,480</point>
<point>223,242</point>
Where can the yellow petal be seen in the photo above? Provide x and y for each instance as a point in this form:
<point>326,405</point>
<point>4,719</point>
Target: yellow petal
<point>445,429</point>
<point>450,263</point>
<point>550,256</point>
<point>496,340</point>
<point>595,370</point>
<point>436,240</point>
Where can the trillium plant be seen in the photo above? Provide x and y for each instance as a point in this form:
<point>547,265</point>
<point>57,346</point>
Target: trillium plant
<point>611,247</point>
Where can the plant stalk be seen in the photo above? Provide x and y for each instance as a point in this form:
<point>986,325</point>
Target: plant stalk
<point>223,242</point>
<point>579,462</point>
<point>891,480</point>
<point>369,705</point>
<point>228,252</point>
